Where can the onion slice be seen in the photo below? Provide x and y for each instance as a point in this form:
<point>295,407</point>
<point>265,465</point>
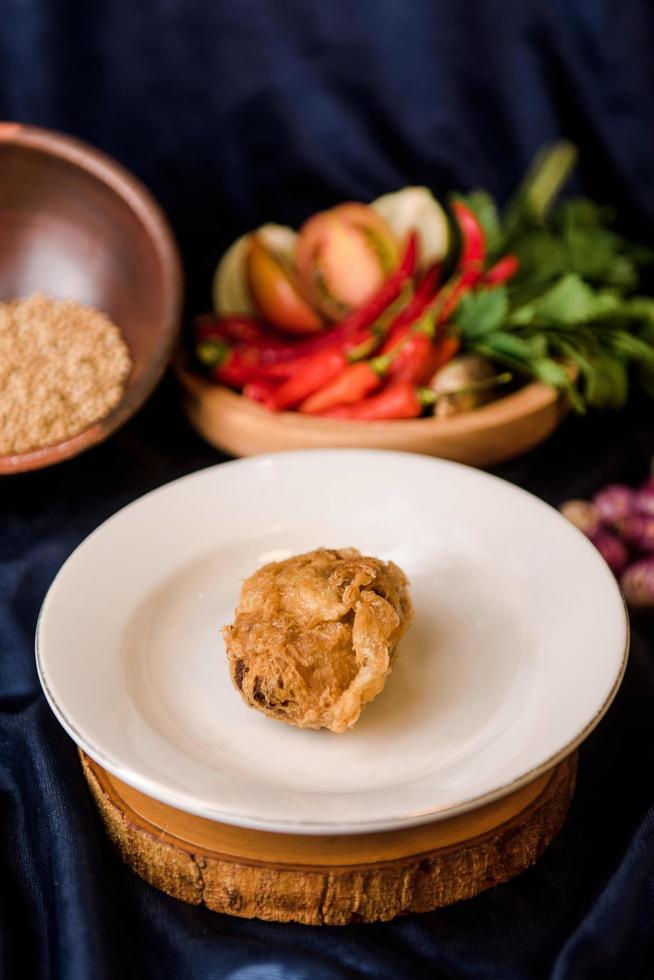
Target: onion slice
<point>231,291</point>
<point>416,208</point>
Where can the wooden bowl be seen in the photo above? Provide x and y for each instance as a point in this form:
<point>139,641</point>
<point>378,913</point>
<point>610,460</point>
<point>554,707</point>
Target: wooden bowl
<point>496,432</point>
<point>75,224</point>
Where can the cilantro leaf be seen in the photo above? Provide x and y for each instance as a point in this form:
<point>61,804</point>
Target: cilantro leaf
<point>534,198</point>
<point>568,301</point>
<point>481,312</point>
<point>641,308</point>
<point>542,257</point>
<point>622,274</point>
<point>529,355</point>
<point>580,212</point>
<point>640,254</point>
<point>608,385</point>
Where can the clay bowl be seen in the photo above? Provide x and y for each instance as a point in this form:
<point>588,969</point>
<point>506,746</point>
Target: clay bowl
<point>75,224</point>
<point>496,432</point>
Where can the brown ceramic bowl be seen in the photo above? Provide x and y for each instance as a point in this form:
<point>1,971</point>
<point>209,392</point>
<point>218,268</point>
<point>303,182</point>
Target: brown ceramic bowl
<point>74,223</point>
<point>488,435</point>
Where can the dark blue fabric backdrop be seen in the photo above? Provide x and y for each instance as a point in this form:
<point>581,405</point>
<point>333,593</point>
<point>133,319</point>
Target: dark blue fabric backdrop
<point>236,111</point>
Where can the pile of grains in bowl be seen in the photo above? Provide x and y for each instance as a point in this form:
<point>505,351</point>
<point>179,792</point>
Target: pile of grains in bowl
<point>63,366</point>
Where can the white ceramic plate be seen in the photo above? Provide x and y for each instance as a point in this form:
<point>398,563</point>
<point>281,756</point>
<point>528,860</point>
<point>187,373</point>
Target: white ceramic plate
<point>517,648</point>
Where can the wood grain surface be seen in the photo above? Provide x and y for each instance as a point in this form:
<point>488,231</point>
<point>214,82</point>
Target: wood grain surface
<point>331,880</point>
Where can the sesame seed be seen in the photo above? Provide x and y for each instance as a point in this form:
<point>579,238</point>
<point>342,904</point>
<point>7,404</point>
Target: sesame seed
<point>63,366</point>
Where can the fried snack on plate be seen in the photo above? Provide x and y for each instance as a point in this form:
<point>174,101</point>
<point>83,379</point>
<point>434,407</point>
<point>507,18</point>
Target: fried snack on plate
<point>314,637</point>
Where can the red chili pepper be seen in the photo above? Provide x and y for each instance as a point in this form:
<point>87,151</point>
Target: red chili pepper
<point>450,300</point>
<point>317,371</point>
<point>429,282</point>
<point>401,324</point>
<point>470,265</point>
<point>235,372</point>
<point>430,366</point>
<point>216,354</point>
<point>261,390</point>
<point>445,349</point>
<point>412,360</point>
<point>250,338</point>
<point>449,297</point>
<point>359,344</point>
<point>503,270</point>
<point>409,260</point>
<point>473,240</point>
<point>399,401</point>
<point>351,385</point>
<point>235,366</point>
<point>397,335</point>
<point>408,360</point>
<point>421,356</point>
<point>356,346</point>
<point>242,329</point>
<point>282,369</point>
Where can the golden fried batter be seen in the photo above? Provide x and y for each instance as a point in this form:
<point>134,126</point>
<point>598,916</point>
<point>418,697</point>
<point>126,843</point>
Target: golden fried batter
<point>314,636</point>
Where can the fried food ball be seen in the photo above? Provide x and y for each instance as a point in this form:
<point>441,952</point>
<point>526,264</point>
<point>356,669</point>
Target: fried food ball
<point>314,636</point>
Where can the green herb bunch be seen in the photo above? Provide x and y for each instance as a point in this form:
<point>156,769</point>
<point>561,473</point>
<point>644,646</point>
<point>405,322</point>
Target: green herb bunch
<point>571,317</point>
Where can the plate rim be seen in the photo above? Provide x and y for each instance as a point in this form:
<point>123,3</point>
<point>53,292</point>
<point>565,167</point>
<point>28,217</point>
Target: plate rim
<point>179,801</point>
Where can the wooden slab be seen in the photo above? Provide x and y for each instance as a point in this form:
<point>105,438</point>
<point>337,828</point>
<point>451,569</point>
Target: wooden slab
<point>331,880</point>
